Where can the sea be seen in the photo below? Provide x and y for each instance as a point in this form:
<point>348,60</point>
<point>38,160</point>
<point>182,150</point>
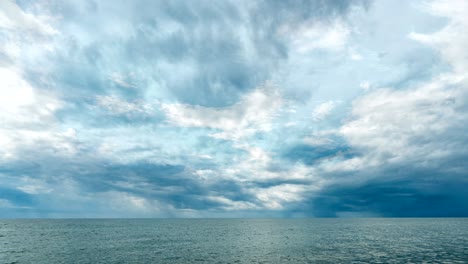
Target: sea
<point>322,240</point>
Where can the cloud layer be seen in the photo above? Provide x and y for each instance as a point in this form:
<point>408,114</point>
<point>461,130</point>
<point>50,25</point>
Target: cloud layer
<point>233,109</point>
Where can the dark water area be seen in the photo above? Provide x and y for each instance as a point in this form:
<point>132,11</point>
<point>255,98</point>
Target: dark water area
<point>234,241</point>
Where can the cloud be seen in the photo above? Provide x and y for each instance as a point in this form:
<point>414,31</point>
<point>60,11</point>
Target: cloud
<point>315,154</point>
<point>391,198</point>
<point>122,80</point>
<point>200,109</point>
<point>401,123</point>
<point>318,36</point>
<point>22,34</point>
<point>253,113</point>
<point>322,110</point>
<point>409,142</point>
<point>27,117</point>
<point>449,41</point>
<point>118,106</point>
<point>27,114</point>
<point>279,196</point>
<point>17,92</point>
<point>365,85</point>
<point>13,18</point>
<point>16,197</point>
<point>420,124</point>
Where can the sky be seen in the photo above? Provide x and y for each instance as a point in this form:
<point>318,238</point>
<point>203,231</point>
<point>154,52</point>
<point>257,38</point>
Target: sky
<point>233,108</point>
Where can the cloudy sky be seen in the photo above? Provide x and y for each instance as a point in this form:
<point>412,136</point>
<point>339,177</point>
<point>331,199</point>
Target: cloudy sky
<point>233,108</point>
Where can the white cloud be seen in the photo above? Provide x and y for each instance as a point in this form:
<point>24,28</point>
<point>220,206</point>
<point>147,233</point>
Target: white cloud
<point>354,55</point>
<point>122,80</point>
<point>13,18</point>
<point>278,197</point>
<point>24,34</point>
<point>398,125</point>
<point>34,185</point>
<point>253,113</point>
<point>15,92</point>
<point>205,174</point>
<point>47,140</point>
<point>319,36</point>
<point>323,110</point>
<point>365,85</point>
<point>204,156</point>
<point>27,116</point>
<point>258,167</point>
<point>423,123</point>
<point>119,106</point>
<point>452,40</point>
<point>419,125</point>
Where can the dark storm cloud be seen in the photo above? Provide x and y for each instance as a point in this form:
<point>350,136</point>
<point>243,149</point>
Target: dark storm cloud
<point>16,197</point>
<point>396,198</point>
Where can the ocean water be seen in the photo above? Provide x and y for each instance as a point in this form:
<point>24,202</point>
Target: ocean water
<point>234,241</point>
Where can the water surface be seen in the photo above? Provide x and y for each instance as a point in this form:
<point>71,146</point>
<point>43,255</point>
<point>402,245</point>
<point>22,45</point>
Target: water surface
<point>234,241</point>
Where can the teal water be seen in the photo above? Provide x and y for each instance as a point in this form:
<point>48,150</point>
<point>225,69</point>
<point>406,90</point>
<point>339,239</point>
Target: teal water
<point>234,241</point>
